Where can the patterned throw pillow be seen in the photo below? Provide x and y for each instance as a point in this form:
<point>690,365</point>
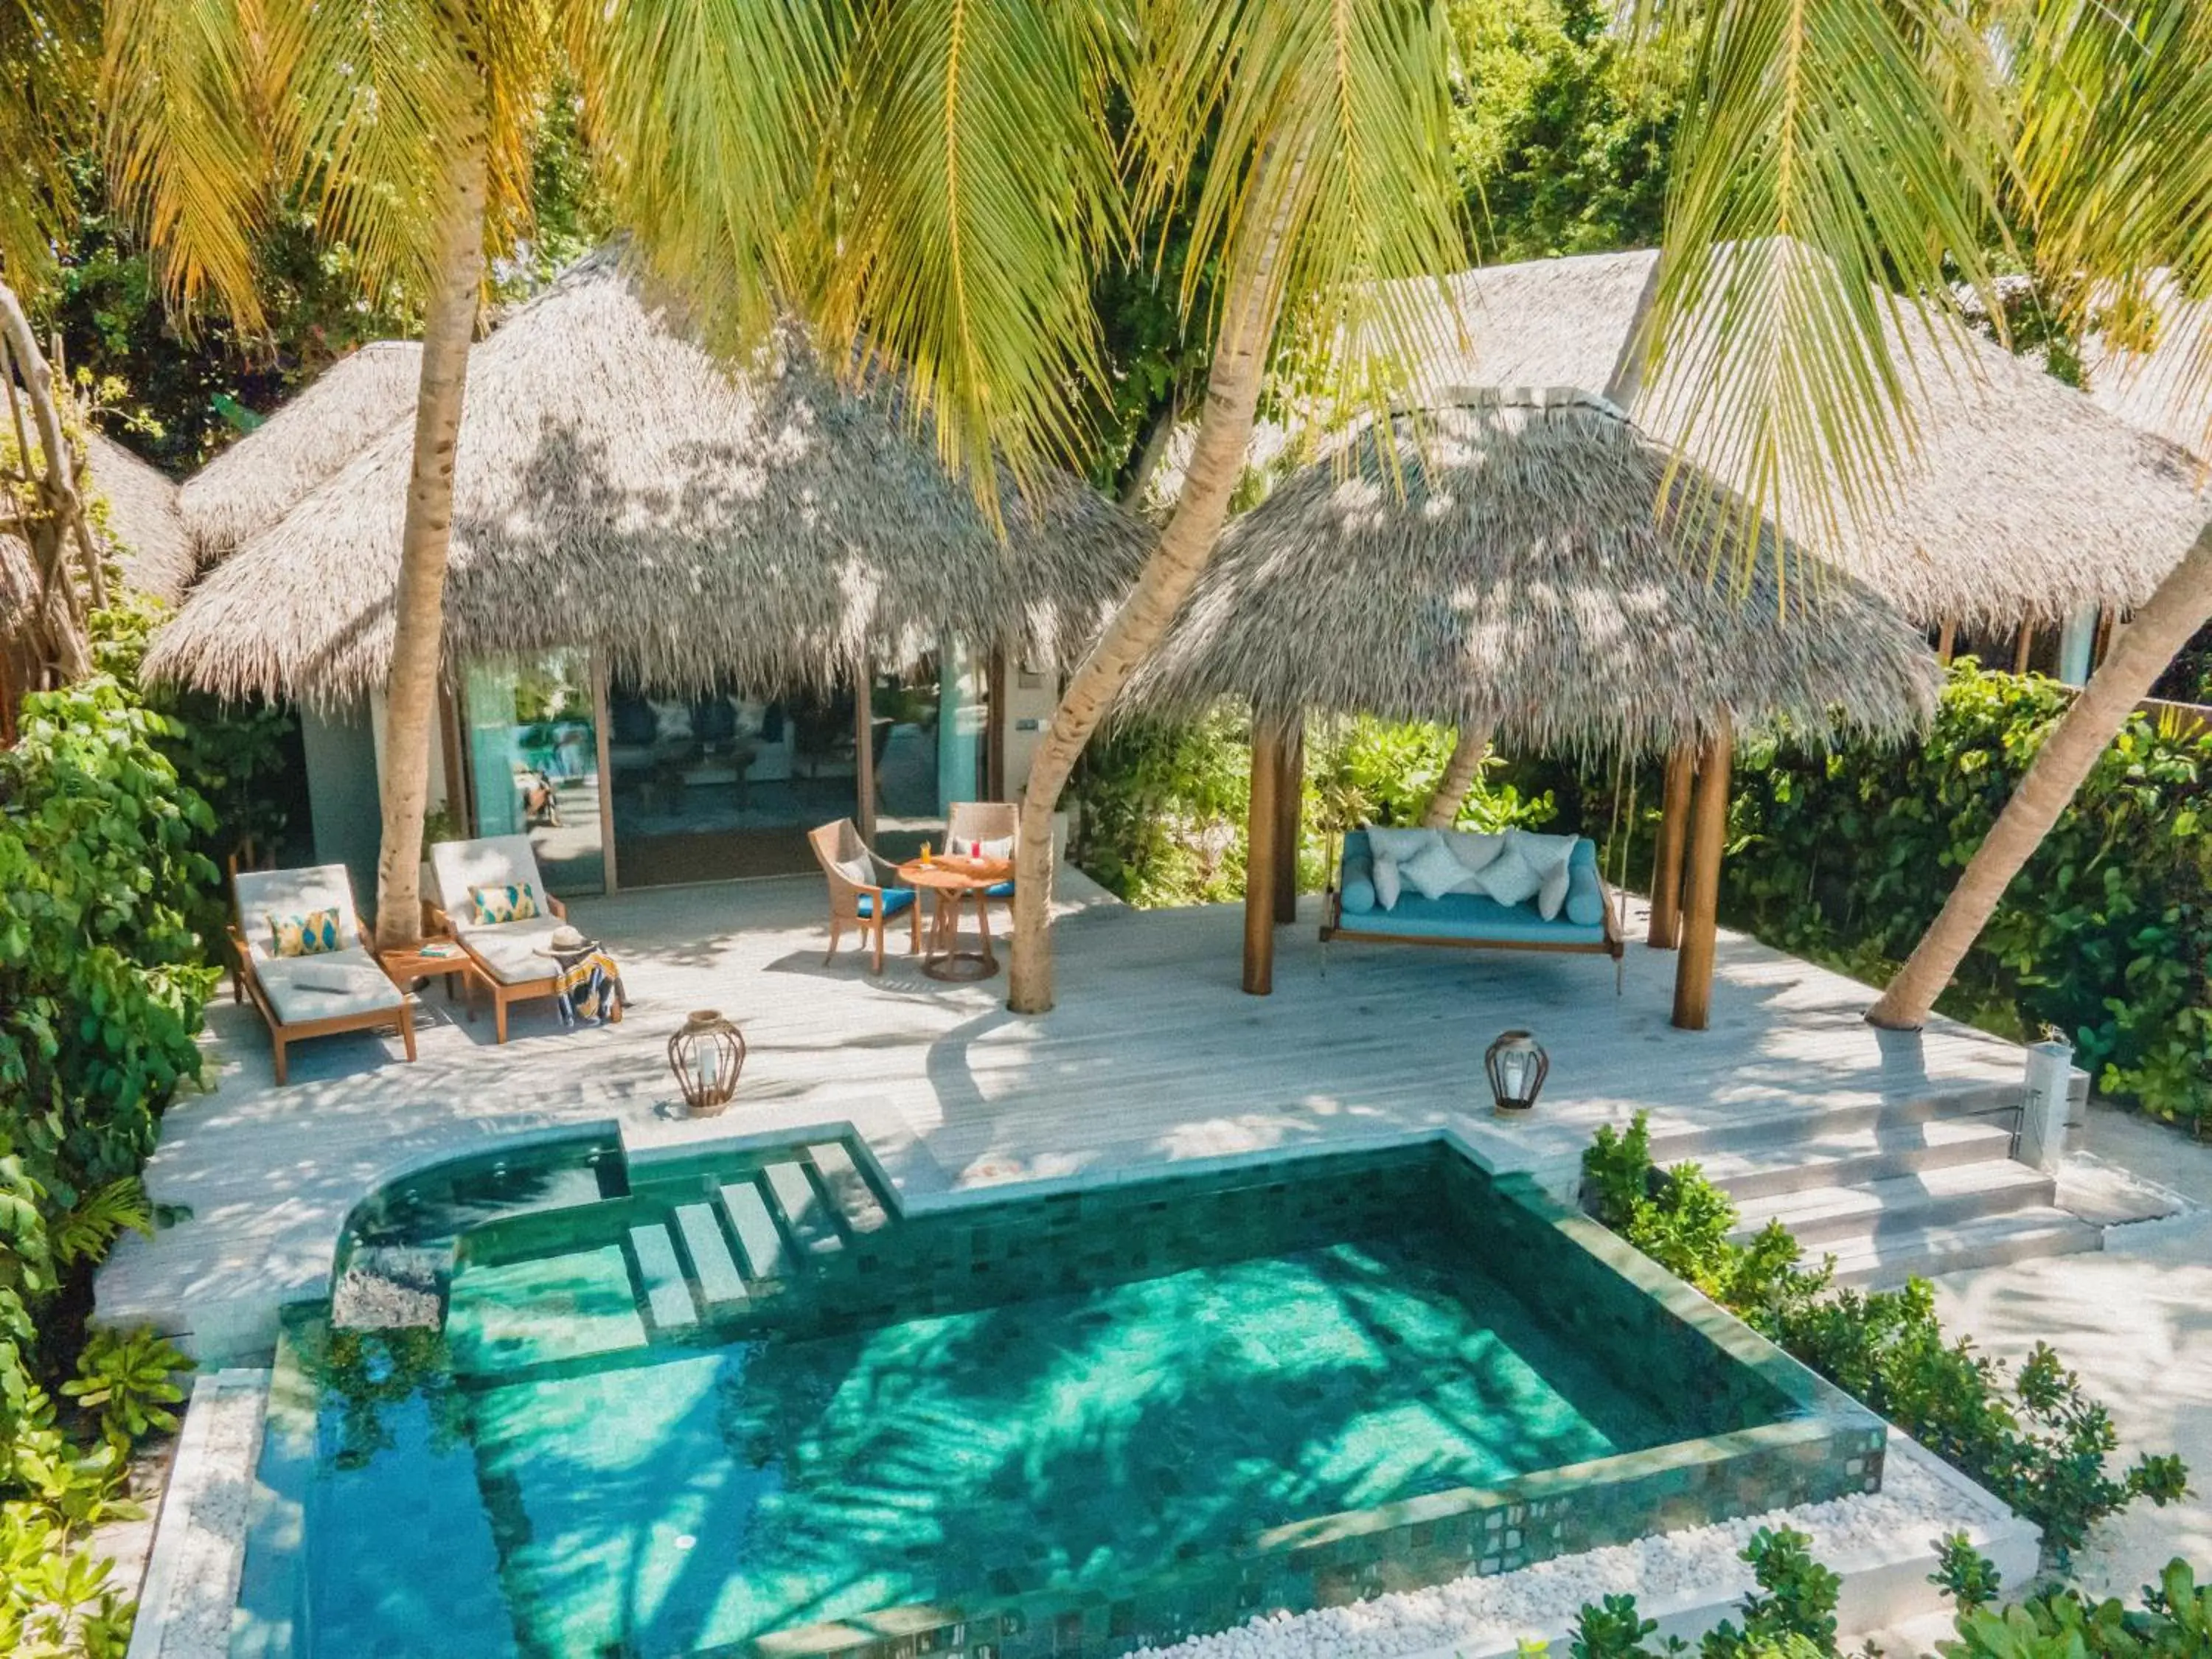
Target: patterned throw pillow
<point>308,935</point>
<point>513,902</point>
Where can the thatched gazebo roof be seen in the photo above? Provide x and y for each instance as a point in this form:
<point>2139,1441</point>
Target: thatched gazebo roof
<point>1526,580</point>
<point>2024,502</point>
<point>139,527</point>
<point>618,489</point>
<point>258,480</point>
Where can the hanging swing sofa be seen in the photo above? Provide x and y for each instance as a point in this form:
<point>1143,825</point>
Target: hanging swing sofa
<point>1585,920</point>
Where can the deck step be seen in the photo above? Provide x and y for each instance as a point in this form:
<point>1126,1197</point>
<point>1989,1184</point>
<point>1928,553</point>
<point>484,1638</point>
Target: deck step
<point>1672,1146</point>
<point>761,1249</point>
<point>804,1207</point>
<point>1985,1242</point>
<point>668,1304</point>
<point>1826,1217</point>
<point>1854,1156</point>
<point>722,1287</point>
<point>848,1188</point>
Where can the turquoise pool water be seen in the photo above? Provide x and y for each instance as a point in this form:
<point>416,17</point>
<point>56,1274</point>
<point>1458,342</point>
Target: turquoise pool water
<point>1022,1434</point>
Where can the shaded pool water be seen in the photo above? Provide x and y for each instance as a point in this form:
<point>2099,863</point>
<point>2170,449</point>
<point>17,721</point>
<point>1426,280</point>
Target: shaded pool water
<point>672,1499</point>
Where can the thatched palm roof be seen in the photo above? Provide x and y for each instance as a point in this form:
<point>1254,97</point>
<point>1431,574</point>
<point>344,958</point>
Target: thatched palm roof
<point>138,527</point>
<point>257,480</point>
<point>144,528</point>
<point>1527,578</point>
<point>2024,502</point>
<point>618,489</point>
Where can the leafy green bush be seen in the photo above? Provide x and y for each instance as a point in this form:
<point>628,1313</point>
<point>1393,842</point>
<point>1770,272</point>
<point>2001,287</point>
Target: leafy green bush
<point>2174,1622</point>
<point>1791,1614</point>
<point>1845,856</point>
<point>102,985</point>
<point>2032,1438</point>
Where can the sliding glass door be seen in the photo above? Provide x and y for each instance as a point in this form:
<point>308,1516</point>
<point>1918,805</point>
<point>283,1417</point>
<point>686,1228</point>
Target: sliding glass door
<point>534,762</point>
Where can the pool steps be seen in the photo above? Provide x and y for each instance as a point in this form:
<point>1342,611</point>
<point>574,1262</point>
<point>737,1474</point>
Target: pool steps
<point>1896,1189</point>
<point>694,1264</point>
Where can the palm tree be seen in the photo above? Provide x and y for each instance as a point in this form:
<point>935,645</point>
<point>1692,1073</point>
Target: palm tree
<point>411,124</point>
<point>2114,151</point>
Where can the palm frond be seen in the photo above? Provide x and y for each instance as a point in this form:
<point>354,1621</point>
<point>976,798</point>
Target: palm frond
<point>371,106</point>
<point>708,118</point>
<point>2114,153</point>
<point>1835,152</point>
<point>974,178</point>
<point>187,155</point>
<point>49,70</point>
<point>1330,135</point>
<point>102,1215</point>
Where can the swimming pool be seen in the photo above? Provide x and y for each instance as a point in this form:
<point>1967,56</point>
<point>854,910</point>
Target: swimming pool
<point>742,1402</point>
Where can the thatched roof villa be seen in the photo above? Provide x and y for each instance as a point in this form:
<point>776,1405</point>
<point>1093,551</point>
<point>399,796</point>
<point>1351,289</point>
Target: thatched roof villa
<point>668,578</point>
<point>257,479</point>
<point>135,518</point>
<point>2026,507</point>
<point>1529,564</point>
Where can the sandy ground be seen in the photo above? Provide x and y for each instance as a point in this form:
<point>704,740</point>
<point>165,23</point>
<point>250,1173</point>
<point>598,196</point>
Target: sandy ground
<point>2136,1321</point>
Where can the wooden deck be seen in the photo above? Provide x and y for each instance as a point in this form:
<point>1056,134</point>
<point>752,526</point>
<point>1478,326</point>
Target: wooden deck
<point>1152,1056</point>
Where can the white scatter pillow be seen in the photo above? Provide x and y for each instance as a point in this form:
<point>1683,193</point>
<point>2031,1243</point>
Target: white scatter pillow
<point>1398,845</point>
<point>1436,870</point>
<point>1539,850</point>
<point>1386,882</point>
<point>1509,879</point>
<point>859,870</point>
<point>1474,851</point>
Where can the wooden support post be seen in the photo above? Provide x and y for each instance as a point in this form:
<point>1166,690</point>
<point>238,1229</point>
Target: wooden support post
<point>602,727</point>
<point>2025,649</point>
<point>994,742</point>
<point>1693,967</point>
<point>1290,806</point>
<point>1946,639</point>
<point>1263,829</point>
<point>1666,929</point>
<point>864,755</point>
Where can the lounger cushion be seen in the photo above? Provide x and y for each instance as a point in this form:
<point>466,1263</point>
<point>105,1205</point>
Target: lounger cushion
<point>515,952</point>
<point>264,895</point>
<point>330,984</point>
<point>895,899</point>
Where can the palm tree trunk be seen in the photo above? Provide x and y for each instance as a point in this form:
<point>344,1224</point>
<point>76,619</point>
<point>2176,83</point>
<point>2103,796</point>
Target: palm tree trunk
<point>1217,462</point>
<point>2160,628</point>
<point>1459,774</point>
<point>410,693</point>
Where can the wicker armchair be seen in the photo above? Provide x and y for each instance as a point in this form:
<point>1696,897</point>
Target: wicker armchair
<point>988,822</point>
<point>858,894</point>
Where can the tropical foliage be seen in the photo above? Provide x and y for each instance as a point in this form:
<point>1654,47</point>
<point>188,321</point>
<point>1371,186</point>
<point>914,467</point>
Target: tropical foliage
<point>1791,1614</point>
<point>1845,855</point>
<point>2032,1437</point>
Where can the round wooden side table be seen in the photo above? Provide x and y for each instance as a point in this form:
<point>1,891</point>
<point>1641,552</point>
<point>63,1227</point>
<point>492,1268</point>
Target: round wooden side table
<point>953,883</point>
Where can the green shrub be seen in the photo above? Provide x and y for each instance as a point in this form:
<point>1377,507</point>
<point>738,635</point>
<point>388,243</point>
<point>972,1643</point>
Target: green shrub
<point>129,1377</point>
<point>2173,1622</point>
<point>1846,856</point>
<point>2033,1439</point>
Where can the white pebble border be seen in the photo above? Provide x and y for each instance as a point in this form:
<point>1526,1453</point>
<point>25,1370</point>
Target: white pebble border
<point>199,1543</point>
<point>1687,1580</point>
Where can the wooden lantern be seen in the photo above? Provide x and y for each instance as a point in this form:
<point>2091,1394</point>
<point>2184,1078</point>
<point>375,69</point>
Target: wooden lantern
<point>707,1053</point>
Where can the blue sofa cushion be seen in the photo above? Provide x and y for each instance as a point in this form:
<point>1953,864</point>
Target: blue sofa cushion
<point>1580,920</point>
<point>999,890</point>
<point>895,899</point>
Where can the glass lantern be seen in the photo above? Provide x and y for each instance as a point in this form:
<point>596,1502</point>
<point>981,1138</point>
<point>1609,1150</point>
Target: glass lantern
<point>707,1053</point>
<point>1517,1065</point>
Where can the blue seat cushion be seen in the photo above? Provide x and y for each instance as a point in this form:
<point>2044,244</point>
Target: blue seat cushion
<point>1580,920</point>
<point>999,890</point>
<point>895,899</point>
